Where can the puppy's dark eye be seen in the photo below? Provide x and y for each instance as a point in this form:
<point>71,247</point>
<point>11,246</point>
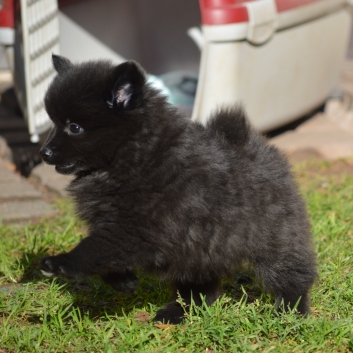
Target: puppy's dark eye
<point>75,129</point>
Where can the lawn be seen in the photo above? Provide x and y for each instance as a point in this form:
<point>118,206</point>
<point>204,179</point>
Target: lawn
<point>51,315</point>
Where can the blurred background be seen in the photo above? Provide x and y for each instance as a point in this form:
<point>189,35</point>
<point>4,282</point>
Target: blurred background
<point>282,59</point>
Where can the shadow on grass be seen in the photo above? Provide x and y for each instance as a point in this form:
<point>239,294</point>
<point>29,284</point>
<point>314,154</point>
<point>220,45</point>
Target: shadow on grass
<point>97,300</point>
<point>91,295</point>
<point>29,262</point>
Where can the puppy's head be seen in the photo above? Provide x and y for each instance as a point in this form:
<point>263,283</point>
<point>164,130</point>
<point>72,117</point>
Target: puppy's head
<point>94,107</point>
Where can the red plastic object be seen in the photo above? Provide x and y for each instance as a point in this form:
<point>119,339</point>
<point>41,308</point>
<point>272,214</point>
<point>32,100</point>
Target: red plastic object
<point>216,12</point>
<point>7,17</point>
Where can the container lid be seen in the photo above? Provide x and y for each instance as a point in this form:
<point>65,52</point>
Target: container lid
<point>217,12</point>
<point>257,20</point>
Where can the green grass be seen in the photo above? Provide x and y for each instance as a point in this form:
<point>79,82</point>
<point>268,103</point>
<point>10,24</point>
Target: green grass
<point>51,315</point>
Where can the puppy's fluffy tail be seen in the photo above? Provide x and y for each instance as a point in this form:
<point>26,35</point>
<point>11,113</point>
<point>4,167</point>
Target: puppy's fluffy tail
<point>232,123</point>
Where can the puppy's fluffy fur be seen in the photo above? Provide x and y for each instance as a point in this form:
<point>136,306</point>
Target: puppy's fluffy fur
<point>170,197</point>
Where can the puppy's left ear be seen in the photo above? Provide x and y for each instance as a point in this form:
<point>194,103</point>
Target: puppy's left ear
<point>129,79</point>
<point>60,63</point>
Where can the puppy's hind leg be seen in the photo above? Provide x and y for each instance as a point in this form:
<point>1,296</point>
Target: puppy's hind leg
<point>289,283</point>
<point>173,312</point>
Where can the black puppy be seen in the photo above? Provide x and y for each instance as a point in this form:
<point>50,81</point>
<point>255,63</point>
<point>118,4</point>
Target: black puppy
<point>170,197</point>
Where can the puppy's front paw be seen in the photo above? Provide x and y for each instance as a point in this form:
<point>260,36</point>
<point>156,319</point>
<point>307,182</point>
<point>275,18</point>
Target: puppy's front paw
<point>52,266</point>
<point>58,266</point>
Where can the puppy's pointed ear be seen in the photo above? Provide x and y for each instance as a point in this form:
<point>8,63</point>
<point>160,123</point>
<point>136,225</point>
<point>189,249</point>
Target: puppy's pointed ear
<point>129,79</point>
<point>60,63</point>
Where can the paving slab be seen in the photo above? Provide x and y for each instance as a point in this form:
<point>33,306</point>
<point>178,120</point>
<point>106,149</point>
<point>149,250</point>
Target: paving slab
<point>20,201</point>
<point>317,124</point>
<point>324,135</point>
<point>48,177</point>
<point>20,211</point>
<point>328,144</point>
<point>18,189</point>
<point>7,175</point>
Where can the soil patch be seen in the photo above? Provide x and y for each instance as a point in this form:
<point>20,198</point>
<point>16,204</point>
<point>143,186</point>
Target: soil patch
<point>322,170</point>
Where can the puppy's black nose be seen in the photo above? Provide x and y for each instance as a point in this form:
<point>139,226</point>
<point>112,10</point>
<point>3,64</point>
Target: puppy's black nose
<point>46,153</point>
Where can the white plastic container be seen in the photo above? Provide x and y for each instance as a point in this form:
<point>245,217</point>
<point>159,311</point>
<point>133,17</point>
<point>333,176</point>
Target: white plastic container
<point>279,58</point>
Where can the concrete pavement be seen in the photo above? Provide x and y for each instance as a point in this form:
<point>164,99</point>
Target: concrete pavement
<point>20,201</point>
<point>323,136</point>
<point>49,178</point>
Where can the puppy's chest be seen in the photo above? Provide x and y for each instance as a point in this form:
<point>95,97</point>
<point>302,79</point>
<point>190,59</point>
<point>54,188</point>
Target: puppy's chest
<point>107,199</point>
